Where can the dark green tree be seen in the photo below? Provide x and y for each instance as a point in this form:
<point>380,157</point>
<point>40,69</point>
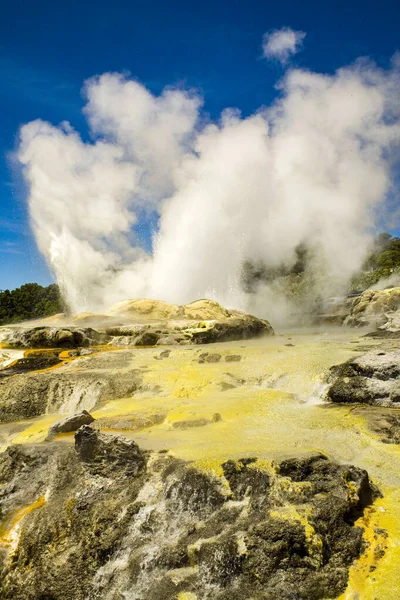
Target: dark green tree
<point>30,301</point>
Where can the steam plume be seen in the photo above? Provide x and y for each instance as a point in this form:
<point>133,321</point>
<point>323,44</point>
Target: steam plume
<point>314,167</point>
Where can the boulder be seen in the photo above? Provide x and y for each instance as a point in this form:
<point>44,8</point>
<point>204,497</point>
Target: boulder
<point>235,326</point>
<point>204,310</point>
<point>238,327</point>
<point>233,358</point>
<point>145,309</point>
<point>390,329</point>
<point>372,307</point>
<point>369,379</point>
<point>71,423</point>
<point>209,357</point>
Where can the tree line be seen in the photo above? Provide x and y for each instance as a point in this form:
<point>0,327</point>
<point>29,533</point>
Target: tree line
<point>30,301</point>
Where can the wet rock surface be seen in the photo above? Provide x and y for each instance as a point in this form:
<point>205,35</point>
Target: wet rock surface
<point>369,379</point>
<point>33,362</point>
<point>236,326</point>
<point>80,385</point>
<point>119,522</point>
<point>141,322</point>
<point>52,337</point>
<point>383,422</point>
<point>390,329</point>
<point>374,307</point>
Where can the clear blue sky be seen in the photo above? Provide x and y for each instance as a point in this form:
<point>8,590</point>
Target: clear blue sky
<point>47,50</point>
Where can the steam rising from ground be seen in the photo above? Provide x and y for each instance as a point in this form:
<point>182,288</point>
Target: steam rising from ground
<point>314,167</point>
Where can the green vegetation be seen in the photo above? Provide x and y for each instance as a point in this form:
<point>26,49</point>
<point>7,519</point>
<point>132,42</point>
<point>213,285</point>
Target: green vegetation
<point>30,301</point>
<point>255,273</point>
<point>306,281</point>
<point>383,262</point>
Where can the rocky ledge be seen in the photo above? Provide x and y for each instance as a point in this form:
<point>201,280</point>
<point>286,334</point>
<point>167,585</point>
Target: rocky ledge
<point>375,308</point>
<point>108,521</point>
<point>370,379</point>
<point>79,385</point>
<point>140,323</point>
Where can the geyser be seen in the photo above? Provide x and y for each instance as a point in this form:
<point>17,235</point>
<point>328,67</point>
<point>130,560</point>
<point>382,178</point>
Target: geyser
<point>314,167</point>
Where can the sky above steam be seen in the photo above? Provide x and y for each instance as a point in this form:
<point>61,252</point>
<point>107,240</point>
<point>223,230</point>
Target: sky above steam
<point>218,53</point>
<point>313,167</point>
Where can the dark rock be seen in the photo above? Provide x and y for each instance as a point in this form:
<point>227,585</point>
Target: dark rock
<point>233,358</point>
<point>206,357</point>
<point>148,338</point>
<point>245,480</point>
<point>225,386</point>
<point>308,468</point>
<point>229,330</point>
<point>32,394</point>
<point>195,491</point>
<point>53,337</point>
<point>197,422</point>
<point>71,423</point>
<point>34,362</point>
<point>103,452</point>
<point>369,379</point>
<point>191,423</point>
<point>111,525</point>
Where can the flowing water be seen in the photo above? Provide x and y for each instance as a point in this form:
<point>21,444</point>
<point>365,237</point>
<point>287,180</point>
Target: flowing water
<point>268,404</point>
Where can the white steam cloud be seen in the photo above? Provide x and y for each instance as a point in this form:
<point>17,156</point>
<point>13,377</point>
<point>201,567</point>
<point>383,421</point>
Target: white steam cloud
<point>313,168</point>
<point>281,44</point>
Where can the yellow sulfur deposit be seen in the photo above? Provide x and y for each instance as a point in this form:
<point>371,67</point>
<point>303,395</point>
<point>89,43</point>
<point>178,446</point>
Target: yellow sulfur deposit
<point>269,404</point>
<point>9,528</point>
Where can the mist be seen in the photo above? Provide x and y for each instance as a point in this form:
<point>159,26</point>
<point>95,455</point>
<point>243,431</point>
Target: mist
<point>315,168</point>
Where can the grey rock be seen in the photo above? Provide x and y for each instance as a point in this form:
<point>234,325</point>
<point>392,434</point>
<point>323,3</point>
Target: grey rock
<point>148,338</point>
<point>239,328</point>
<point>370,379</point>
<point>384,422</point>
<point>105,452</point>
<point>235,327</point>
<point>53,337</point>
<point>32,394</point>
<point>178,529</point>
<point>233,358</point>
<point>71,423</point>
<point>197,422</point>
<point>206,357</point>
<point>35,362</point>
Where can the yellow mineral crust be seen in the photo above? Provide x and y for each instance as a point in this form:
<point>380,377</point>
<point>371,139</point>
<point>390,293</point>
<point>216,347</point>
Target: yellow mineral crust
<point>271,407</point>
<point>375,576</point>
<point>154,310</point>
<point>145,309</point>
<point>10,527</point>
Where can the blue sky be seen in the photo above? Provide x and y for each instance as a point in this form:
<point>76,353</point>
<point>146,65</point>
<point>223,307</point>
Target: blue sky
<point>47,50</point>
